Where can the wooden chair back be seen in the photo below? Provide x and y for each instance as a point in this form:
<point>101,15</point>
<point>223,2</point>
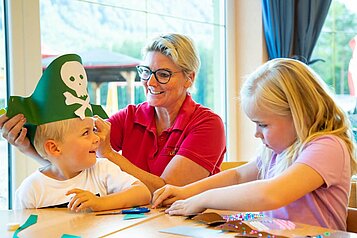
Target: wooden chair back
<point>352,220</point>
<point>231,164</point>
<point>353,195</point>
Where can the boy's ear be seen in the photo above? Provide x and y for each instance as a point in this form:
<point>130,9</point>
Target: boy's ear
<point>51,147</point>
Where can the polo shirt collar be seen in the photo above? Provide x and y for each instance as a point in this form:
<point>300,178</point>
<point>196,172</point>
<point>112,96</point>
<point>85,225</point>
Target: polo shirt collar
<point>145,115</point>
<point>185,113</point>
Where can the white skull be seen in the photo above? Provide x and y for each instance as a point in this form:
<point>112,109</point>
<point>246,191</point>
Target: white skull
<point>75,77</point>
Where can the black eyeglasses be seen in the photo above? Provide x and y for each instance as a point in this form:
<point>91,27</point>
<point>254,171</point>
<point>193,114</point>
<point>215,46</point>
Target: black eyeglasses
<point>163,76</point>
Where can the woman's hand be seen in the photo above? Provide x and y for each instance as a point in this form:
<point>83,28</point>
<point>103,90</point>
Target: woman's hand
<point>168,194</point>
<point>13,130</point>
<point>190,206</point>
<point>103,131</point>
<point>83,200</point>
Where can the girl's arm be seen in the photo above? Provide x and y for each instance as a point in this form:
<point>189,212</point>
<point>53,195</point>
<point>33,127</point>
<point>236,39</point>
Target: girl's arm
<point>242,174</point>
<point>260,195</point>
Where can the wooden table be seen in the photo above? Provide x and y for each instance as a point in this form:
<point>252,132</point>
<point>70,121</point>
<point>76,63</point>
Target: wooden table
<point>57,222</point>
<point>152,228</point>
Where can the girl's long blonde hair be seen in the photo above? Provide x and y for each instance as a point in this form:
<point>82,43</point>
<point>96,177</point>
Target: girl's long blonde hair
<point>289,87</point>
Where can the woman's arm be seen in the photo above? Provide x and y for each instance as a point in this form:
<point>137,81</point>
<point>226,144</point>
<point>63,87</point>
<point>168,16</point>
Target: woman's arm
<point>13,130</point>
<point>242,174</point>
<point>180,170</point>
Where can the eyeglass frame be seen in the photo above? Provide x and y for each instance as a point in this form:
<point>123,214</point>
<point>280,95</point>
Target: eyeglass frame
<point>154,73</point>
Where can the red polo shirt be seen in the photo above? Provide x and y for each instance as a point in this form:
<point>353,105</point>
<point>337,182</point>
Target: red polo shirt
<point>197,133</point>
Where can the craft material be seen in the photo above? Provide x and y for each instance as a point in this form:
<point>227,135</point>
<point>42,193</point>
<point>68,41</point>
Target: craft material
<point>29,222</point>
<point>133,216</point>
<point>135,210</point>
<point>2,111</point>
<point>12,226</point>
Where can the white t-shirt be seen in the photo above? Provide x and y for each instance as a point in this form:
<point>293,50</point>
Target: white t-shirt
<point>39,190</point>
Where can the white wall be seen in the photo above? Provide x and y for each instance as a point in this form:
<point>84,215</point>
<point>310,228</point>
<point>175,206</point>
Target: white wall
<point>245,52</point>
<point>25,65</point>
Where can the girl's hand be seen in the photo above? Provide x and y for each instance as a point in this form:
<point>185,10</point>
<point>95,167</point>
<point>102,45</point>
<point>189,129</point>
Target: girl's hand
<point>167,195</point>
<point>190,206</point>
<point>83,200</point>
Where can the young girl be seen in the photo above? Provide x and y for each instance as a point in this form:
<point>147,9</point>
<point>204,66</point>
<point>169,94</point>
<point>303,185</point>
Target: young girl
<point>303,171</point>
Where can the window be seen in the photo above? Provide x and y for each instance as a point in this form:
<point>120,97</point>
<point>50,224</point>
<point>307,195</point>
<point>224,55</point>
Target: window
<point>335,48</point>
<point>119,28</point>
<point>4,186</point>
<point>115,31</point>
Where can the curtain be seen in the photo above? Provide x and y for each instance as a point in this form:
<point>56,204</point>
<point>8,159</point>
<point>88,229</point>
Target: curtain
<point>292,27</point>
<point>278,22</point>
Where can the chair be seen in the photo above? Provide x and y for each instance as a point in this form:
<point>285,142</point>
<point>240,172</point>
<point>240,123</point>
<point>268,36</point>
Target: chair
<point>353,195</point>
<point>352,220</point>
<point>231,164</point>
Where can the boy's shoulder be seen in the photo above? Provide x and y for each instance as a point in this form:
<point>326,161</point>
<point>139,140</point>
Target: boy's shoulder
<point>31,184</point>
<point>35,177</point>
<point>104,161</point>
<point>105,164</point>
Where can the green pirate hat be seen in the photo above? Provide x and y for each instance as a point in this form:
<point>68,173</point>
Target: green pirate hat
<point>60,94</point>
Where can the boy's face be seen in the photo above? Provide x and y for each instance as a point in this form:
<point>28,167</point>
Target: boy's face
<point>79,145</point>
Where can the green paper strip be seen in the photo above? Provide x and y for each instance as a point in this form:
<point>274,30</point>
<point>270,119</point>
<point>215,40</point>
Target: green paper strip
<point>134,216</point>
<point>69,236</point>
<point>29,222</point>
<point>2,111</point>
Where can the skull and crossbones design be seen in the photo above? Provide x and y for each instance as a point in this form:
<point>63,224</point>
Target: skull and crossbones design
<point>75,77</point>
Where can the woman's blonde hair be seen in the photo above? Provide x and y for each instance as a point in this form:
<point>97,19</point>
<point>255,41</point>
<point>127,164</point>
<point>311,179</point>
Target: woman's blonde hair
<point>289,87</point>
<point>51,131</point>
<point>179,48</point>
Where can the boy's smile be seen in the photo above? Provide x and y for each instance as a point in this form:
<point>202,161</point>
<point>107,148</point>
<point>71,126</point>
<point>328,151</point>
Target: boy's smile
<point>78,148</point>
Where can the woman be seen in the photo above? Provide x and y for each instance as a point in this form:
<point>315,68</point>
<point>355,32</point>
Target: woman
<point>169,139</point>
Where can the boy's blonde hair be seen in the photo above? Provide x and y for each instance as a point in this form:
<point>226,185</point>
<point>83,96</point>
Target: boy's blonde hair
<point>179,48</point>
<point>51,131</point>
<point>289,87</point>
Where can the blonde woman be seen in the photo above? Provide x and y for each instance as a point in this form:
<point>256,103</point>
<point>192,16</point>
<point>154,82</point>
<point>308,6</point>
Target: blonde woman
<point>303,171</point>
<point>169,138</point>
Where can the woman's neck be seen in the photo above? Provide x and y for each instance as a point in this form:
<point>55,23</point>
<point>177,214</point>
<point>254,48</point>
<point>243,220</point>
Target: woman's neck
<point>165,117</point>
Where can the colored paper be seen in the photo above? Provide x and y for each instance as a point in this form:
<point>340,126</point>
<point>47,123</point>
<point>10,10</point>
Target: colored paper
<point>209,218</point>
<point>69,236</point>
<point>134,216</point>
<point>2,111</point>
<point>29,222</point>
<point>60,94</point>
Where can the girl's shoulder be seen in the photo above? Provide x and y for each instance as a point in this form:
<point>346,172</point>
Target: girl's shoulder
<point>328,140</point>
<point>325,148</point>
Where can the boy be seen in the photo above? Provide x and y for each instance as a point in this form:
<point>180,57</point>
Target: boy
<point>75,177</point>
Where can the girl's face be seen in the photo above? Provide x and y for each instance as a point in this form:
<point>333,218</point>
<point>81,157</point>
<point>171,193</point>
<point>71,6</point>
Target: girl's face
<point>276,132</point>
<point>164,95</point>
<point>78,149</point>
